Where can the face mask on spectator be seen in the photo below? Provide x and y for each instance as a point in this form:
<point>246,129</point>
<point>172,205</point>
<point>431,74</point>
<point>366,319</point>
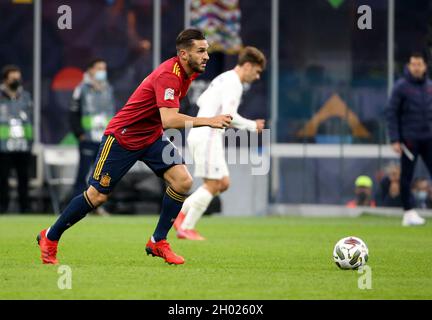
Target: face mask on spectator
<point>100,75</point>
<point>15,84</point>
<point>421,195</point>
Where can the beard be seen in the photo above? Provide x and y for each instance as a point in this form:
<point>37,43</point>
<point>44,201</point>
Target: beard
<point>195,66</point>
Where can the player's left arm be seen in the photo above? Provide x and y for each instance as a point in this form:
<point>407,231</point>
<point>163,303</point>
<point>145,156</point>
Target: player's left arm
<point>240,122</point>
<point>230,104</point>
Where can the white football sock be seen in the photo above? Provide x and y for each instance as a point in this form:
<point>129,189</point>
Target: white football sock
<point>198,204</point>
<point>46,233</point>
<point>186,205</point>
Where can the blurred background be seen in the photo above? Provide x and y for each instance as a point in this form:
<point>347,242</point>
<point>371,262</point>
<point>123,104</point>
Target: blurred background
<point>323,94</point>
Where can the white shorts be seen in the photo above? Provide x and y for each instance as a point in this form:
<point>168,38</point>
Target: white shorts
<point>209,157</point>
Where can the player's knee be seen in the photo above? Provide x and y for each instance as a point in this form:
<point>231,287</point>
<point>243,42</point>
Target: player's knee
<point>100,199</point>
<point>96,198</point>
<point>183,185</point>
<point>187,184</point>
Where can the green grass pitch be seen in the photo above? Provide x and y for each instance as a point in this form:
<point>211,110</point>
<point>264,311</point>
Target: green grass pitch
<point>243,258</point>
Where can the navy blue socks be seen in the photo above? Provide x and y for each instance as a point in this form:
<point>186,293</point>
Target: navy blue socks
<point>171,206</point>
<point>74,212</point>
<point>80,206</point>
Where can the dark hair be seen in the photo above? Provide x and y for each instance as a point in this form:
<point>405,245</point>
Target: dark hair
<point>186,37</point>
<point>252,55</point>
<point>8,69</point>
<point>94,61</point>
<point>418,55</point>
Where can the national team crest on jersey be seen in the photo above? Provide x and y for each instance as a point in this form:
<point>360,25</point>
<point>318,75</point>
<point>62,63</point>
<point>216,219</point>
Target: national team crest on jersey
<point>169,94</point>
<point>105,180</point>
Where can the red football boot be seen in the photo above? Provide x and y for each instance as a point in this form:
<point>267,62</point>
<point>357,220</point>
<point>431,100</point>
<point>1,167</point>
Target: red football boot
<point>178,222</point>
<point>48,248</point>
<point>162,249</point>
<point>189,235</point>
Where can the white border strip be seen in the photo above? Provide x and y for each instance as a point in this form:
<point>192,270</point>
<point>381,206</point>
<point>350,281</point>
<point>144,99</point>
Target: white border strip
<point>288,150</point>
<point>187,13</point>
<point>314,210</point>
<point>157,25</point>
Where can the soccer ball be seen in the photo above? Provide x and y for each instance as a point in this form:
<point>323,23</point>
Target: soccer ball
<point>350,253</point>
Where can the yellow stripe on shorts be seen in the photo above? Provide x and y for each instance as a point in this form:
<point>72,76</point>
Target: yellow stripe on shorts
<point>104,154</point>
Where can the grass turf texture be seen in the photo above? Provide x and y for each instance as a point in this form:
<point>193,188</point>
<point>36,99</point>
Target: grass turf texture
<point>243,258</point>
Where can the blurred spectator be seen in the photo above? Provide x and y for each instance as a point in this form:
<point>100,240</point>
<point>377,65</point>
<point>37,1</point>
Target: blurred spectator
<point>16,136</point>
<point>136,41</point>
<point>363,193</point>
<point>409,119</point>
<point>420,191</point>
<point>124,42</point>
<point>389,192</point>
<point>92,108</point>
<point>132,10</point>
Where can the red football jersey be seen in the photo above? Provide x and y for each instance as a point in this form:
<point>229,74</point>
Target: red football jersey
<point>138,123</point>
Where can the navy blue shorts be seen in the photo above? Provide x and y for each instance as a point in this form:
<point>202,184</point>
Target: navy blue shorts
<point>113,161</point>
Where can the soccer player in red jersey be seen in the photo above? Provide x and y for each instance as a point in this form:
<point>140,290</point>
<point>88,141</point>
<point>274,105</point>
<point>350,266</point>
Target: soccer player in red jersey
<point>136,134</point>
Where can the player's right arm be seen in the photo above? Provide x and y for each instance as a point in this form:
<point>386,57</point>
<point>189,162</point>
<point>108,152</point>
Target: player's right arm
<point>171,118</point>
<point>230,102</point>
<point>167,89</point>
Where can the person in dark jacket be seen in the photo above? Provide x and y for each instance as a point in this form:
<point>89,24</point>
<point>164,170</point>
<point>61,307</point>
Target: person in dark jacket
<point>91,109</point>
<point>16,136</point>
<point>409,119</point>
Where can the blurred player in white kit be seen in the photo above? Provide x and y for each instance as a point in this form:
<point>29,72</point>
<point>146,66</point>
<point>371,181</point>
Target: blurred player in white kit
<point>206,145</point>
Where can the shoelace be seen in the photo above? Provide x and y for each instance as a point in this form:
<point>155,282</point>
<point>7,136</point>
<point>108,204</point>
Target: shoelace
<point>51,250</point>
<point>164,247</point>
